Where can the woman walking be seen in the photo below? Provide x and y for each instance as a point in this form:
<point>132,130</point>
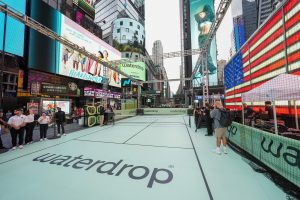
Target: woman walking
<point>43,121</point>
<point>29,120</point>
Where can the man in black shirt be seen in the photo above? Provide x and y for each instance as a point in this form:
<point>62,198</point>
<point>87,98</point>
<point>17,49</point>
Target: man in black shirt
<point>60,118</point>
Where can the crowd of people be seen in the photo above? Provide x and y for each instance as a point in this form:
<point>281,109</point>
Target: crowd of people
<point>21,125</point>
<point>216,119</point>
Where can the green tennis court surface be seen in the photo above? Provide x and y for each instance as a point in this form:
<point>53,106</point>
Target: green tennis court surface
<point>148,157</point>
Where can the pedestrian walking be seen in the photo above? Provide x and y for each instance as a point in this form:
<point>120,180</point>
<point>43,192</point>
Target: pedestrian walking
<point>17,123</point>
<point>60,118</point>
<point>29,120</point>
<point>221,121</point>
<point>44,121</point>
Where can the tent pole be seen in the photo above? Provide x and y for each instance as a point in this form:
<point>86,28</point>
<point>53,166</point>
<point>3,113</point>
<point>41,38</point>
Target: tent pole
<point>243,113</point>
<point>275,117</point>
<point>296,114</point>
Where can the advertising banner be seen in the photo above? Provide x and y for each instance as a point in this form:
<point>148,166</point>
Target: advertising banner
<point>165,111</point>
<point>15,30</point>
<point>52,105</point>
<point>77,65</point>
<point>87,6</point>
<point>277,152</point>
<point>48,55</point>
<point>34,106</point>
<point>201,18</point>
<point>137,70</point>
<point>99,93</point>
<point>54,89</point>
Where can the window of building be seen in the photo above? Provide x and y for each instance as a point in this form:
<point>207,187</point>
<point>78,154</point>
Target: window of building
<point>127,55</point>
<point>121,23</point>
<point>143,36</point>
<point>138,26</point>
<point>130,24</point>
<point>136,32</point>
<point>136,56</point>
<point>124,37</point>
<point>127,30</point>
<point>118,30</point>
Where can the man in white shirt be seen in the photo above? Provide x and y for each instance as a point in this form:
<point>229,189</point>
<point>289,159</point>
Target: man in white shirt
<point>17,123</point>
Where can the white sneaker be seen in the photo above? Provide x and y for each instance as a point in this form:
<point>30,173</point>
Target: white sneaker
<point>14,148</point>
<point>45,138</point>
<point>21,147</point>
<point>41,139</point>
<point>58,134</point>
<point>217,151</point>
<point>225,150</point>
<point>65,134</point>
<point>31,142</point>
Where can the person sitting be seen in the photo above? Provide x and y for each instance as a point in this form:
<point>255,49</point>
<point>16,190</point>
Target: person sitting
<point>269,111</point>
<point>249,113</point>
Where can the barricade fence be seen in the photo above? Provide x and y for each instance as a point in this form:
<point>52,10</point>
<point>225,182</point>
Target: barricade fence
<point>279,153</point>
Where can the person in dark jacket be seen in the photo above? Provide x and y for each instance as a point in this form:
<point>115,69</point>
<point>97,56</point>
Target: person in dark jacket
<point>60,118</point>
<point>209,120</point>
<point>102,111</point>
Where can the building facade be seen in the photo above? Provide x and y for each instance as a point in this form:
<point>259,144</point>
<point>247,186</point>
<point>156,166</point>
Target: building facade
<point>244,13</point>
<point>266,8</point>
<point>107,11</point>
<point>185,32</point>
<point>157,52</point>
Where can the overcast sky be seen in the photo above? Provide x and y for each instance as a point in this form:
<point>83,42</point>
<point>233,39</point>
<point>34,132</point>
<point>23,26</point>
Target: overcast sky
<point>163,23</point>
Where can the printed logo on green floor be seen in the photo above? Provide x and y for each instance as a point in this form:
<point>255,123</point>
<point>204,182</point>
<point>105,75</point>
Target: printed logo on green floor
<point>155,175</point>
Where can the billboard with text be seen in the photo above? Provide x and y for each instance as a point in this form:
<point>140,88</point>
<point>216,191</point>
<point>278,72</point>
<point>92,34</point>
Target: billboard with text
<point>202,17</point>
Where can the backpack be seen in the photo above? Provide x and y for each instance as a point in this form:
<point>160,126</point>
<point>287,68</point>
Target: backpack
<point>225,119</point>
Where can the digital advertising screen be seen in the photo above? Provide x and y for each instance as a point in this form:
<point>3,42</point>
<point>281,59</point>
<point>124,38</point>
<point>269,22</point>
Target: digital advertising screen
<point>15,30</point>
<point>137,70</point>
<point>76,65</point>
<point>201,18</point>
<point>47,55</point>
<point>52,105</point>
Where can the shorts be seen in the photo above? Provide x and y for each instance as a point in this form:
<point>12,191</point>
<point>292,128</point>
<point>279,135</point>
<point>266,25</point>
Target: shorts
<point>221,132</point>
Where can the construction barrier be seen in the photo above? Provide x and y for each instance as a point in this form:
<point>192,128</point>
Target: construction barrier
<point>279,153</point>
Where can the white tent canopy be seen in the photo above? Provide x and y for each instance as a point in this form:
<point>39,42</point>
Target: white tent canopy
<point>282,88</point>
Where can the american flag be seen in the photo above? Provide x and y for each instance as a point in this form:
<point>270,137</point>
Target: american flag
<point>272,50</point>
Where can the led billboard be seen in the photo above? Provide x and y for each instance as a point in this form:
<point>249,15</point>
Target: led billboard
<point>47,55</point>
<point>272,50</point>
<point>136,70</point>
<point>15,30</point>
<point>77,65</point>
<point>201,18</point>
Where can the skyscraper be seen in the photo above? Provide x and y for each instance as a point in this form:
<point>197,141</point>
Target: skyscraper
<point>244,13</point>
<point>185,31</point>
<point>107,11</point>
<point>157,51</point>
<point>265,8</point>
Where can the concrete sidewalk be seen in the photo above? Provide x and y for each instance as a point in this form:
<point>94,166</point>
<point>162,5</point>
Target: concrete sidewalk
<point>69,128</point>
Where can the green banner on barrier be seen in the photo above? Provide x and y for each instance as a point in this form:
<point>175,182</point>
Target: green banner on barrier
<point>277,152</point>
<point>165,111</point>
